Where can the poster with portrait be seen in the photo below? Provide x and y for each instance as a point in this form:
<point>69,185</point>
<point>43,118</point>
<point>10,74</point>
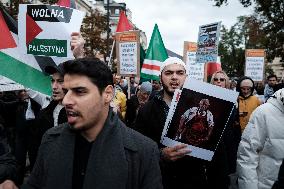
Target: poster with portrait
<point>198,116</point>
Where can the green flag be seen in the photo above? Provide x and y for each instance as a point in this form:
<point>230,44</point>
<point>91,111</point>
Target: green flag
<point>155,56</point>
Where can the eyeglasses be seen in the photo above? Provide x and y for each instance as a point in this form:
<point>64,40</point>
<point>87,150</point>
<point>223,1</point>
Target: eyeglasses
<point>219,79</point>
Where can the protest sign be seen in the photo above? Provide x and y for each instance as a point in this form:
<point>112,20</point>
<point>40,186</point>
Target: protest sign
<point>45,30</point>
<point>128,53</point>
<point>193,69</point>
<point>207,45</point>
<point>198,116</point>
<point>255,64</point>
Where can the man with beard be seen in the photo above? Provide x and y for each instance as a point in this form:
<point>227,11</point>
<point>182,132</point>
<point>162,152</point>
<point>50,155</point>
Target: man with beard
<point>178,169</point>
<point>94,149</point>
<point>269,87</point>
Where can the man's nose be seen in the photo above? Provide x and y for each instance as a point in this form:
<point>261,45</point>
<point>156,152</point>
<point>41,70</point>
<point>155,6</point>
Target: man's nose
<point>67,100</point>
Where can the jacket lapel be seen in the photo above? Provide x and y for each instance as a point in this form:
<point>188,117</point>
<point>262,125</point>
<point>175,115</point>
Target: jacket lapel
<point>62,164</point>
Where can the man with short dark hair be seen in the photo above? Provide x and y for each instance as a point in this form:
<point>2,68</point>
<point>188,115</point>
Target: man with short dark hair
<point>268,90</point>
<point>94,149</point>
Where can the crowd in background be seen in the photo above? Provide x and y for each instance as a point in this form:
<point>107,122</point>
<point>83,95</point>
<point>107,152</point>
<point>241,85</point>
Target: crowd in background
<point>249,155</point>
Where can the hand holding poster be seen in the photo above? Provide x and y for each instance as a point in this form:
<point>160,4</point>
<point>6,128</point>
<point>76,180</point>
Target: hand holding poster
<point>198,116</point>
<point>46,29</point>
<point>128,49</point>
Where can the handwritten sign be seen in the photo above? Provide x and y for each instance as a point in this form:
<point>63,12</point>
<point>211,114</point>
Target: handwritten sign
<point>193,69</point>
<point>196,71</point>
<point>128,49</point>
<point>255,64</point>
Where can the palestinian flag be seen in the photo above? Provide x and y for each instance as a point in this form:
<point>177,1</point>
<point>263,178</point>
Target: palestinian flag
<point>23,69</point>
<point>155,56</point>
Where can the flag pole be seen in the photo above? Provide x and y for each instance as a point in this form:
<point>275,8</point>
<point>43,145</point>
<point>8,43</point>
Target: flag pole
<point>110,56</point>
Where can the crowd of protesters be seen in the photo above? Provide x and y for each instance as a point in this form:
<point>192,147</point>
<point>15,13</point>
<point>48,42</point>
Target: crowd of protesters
<point>100,130</point>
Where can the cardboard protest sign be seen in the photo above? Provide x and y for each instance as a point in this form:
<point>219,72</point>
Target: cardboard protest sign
<point>255,64</point>
<point>207,45</point>
<point>193,69</point>
<point>128,53</point>
<point>45,30</point>
<point>198,116</point>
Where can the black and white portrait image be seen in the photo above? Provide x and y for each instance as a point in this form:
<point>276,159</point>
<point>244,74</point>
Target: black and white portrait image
<point>199,119</point>
<point>198,116</point>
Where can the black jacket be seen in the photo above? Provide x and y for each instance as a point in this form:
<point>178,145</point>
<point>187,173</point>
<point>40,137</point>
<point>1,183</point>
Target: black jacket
<point>8,168</point>
<point>279,184</point>
<point>120,158</point>
<point>45,121</point>
<point>132,105</point>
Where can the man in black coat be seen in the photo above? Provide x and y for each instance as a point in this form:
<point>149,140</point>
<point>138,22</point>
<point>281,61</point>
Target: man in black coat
<point>95,149</point>
<point>179,170</point>
<point>8,168</point>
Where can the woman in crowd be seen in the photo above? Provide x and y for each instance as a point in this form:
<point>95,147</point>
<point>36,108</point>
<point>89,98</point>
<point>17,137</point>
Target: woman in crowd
<point>232,133</point>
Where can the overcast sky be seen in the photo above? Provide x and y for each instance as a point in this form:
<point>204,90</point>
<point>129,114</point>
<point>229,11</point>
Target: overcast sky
<point>179,20</point>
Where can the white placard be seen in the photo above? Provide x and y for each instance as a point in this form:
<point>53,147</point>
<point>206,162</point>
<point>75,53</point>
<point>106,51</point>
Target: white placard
<point>255,68</point>
<point>191,57</point>
<point>183,126</point>
<point>45,30</point>
<point>196,71</point>
<point>128,58</point>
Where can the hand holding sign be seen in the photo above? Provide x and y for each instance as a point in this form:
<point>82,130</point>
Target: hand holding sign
<point>45,30</point>
<point>77,45</point>
<point>175,153</point>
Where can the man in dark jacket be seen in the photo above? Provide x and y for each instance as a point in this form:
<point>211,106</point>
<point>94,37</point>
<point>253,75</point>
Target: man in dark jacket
<point>178,170</point>
<point>95,149</point>
<point>136,102</point>
<point>8,170</point>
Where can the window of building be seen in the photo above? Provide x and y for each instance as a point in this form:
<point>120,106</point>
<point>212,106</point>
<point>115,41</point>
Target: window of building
<point>116,11</point>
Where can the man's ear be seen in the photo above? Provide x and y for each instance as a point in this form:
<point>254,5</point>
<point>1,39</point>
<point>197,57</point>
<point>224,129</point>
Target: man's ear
<point>108,94</point>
